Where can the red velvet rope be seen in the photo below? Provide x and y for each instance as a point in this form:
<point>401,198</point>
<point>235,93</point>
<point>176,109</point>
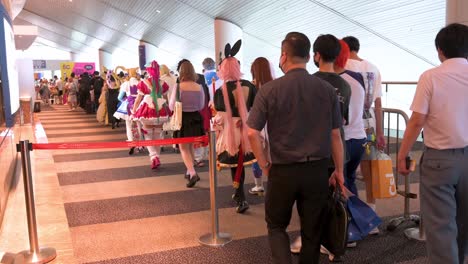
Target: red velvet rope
<point>124,144</point>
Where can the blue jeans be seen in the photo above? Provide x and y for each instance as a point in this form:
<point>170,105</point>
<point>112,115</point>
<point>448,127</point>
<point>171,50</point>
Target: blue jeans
<point>257,171</point>
<point>355,150</point>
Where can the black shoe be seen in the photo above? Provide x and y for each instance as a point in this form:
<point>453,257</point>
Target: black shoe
<point>113,125</point>
<point>242,207</point>
<point>235,198</point>
<point>187,177</point>
<point>193,180</point>
<point>132,150</point>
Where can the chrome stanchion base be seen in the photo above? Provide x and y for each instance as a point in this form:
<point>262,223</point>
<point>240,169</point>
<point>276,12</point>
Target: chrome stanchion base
<point>414,233</point>
<point>45,255</point>
<point>220,240</point>
<point>394,223</point>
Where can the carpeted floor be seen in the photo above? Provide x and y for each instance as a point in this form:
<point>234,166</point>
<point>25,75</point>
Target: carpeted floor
<point>121,211</point>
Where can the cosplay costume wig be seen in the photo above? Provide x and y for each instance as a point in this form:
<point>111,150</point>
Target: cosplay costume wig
<point>153,109</point>
<point>343,57</point>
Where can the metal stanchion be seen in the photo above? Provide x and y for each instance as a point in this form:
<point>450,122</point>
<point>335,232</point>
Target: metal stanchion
<point>34,254</point>
<point>214,239</point>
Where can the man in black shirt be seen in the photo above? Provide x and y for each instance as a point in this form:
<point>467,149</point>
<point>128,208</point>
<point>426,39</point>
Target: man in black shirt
<point>326,49</point>
<point>96,85</point>
<point>303,116</point>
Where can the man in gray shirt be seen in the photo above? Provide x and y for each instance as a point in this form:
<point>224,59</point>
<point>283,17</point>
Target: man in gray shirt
<point>303,116</point>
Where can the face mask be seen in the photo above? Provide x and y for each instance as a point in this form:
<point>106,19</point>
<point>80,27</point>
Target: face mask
<point>316,64</point>
<point>279,64</point>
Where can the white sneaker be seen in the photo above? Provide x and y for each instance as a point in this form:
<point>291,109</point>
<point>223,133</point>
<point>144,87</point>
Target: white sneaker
<point>257,190</point>
<point>374,231</point>
<point>351,244</point>
<point>296,245</point>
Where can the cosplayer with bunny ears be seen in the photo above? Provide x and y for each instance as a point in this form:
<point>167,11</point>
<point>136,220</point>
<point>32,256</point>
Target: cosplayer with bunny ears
<point>151,109</point>
<point>232,103</point>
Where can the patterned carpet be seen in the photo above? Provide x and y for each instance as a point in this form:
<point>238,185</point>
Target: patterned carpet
<point>121,211</point>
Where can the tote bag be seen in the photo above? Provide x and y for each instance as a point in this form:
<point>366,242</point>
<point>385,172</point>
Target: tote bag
<point>175,123</point>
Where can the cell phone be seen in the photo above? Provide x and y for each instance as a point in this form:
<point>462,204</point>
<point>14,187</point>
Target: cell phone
<point>410,164</point>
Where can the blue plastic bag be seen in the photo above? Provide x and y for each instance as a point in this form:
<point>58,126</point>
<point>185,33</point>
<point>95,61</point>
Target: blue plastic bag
<point>353,232</point>
<point>363,219</point>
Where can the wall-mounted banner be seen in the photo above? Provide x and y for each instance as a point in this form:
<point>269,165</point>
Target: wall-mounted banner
<point>39,64</point>
<point>77,67</point>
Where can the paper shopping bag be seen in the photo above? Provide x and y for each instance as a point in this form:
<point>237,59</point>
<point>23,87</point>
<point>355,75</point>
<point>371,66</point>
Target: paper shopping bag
<point>383,180</point>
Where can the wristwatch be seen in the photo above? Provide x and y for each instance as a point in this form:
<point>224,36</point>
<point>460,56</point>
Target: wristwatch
<point>267,165</point>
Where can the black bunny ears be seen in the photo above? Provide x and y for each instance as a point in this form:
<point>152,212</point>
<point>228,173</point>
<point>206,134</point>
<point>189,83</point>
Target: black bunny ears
<point>231,52</point>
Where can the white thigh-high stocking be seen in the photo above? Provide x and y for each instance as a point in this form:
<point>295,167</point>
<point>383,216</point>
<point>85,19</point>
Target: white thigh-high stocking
<point>128,126</point>
<point>153,134</point>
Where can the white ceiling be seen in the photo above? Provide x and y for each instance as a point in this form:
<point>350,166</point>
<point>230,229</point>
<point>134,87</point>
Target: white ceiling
<point>185,28</point>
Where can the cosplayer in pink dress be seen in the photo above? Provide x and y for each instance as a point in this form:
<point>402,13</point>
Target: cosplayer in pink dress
<point>151,109</point>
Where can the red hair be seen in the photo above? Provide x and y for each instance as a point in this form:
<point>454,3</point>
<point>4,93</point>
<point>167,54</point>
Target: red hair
<point>343,56</point>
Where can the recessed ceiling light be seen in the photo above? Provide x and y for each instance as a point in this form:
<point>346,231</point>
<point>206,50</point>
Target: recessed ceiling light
<point>125,24</point>
<point>158,11</point>
<point>70,0</point>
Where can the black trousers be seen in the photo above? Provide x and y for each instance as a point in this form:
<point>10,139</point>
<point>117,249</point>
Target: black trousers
<point>239,194</point>
<point>307,185</point>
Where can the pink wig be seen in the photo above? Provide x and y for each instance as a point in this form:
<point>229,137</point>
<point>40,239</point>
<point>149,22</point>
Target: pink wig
<point>153,70</point>
<point>230,71</point>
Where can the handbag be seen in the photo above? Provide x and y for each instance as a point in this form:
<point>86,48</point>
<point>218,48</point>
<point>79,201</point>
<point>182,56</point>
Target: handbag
<point>335,234</point>
<point>175,123</point>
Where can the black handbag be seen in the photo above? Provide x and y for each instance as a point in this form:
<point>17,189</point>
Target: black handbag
<point>335,233</point>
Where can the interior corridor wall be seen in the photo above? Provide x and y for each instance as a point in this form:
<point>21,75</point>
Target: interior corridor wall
<point>9,130</point>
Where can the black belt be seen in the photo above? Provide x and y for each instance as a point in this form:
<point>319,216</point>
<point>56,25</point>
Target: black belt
<point>309,159</point>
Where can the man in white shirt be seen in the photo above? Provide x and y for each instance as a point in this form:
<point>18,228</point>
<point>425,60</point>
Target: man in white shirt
<point>59,85</point>
<point>439,106</point>
<point>373,93</point>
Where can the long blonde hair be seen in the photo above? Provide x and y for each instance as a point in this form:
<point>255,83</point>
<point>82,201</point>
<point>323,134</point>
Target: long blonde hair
<point>164,70</point>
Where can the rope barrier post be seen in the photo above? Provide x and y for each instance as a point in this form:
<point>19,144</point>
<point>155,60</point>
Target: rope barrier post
<point>35,254</point>
<point>214,239</point>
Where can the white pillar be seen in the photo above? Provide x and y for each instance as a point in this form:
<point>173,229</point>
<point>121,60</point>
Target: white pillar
<point>226,32</point>
<point>105,60</point>
<point>72,56</point>
<point>457,12</point>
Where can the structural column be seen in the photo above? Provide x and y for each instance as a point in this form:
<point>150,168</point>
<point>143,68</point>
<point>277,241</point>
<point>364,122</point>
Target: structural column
<point>72,56</point>
<point>105,60</point>
<point>226,32</point>
<point>146,53</point>
<point>457,12</point>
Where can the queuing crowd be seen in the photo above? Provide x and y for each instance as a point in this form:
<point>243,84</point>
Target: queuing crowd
<point>304,131</point>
